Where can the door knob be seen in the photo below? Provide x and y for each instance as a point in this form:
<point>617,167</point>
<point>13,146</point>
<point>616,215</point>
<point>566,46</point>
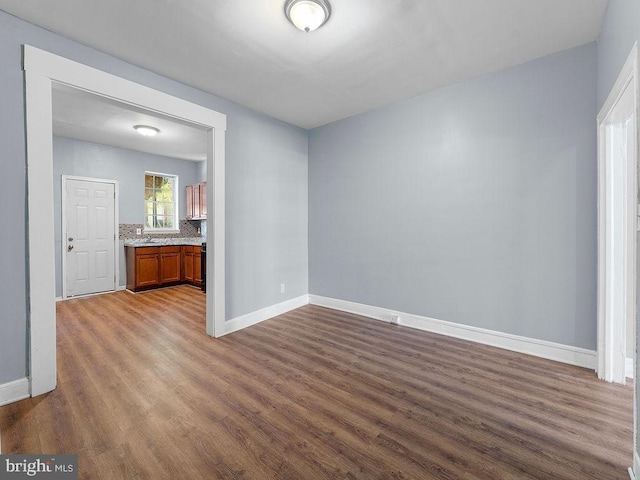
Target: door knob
<point>69,248</point>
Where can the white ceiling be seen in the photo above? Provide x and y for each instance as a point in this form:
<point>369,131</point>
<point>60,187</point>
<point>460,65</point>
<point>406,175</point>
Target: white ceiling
<point>88,117</point>
<point>370,53</point>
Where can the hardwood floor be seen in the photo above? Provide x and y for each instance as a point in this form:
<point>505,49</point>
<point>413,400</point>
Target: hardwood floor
<point>313,394</point>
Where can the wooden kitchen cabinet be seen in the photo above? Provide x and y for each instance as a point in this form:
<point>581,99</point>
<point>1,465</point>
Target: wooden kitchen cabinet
<point>197,266</point>
<point>152,267</point>
<point>202,196</point>
<point>192,202</point>
<point>196,201</point>
<point>191,271</point>
<point>143,267</point>
<point>187,263</point>
<point>170,265</point>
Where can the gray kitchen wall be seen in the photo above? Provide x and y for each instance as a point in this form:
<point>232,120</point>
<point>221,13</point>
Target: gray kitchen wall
<point>474,204</point>
<point>202,171</point>
<point>266,188</point>
<point>73,157</point>
<point>85,159</point>
<point>620,30</point>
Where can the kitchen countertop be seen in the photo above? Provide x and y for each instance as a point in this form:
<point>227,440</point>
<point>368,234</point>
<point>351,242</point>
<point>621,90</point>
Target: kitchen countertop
<point>160,242</point>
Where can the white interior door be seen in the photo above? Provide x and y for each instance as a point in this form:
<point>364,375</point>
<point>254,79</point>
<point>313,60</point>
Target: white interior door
<point>89,237</point>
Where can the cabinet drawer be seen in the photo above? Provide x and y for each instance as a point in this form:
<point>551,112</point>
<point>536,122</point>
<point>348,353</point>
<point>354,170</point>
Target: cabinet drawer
<point>147,250</point>
<point>171,249</point>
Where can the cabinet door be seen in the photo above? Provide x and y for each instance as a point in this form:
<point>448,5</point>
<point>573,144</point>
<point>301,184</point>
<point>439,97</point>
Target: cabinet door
<point>203,200</point>
<point>197,267</point>
<point>196,201</point>
<point>147,272</point>
<point>187,264</point>
<point>189,201</point>
<point>170,260</point>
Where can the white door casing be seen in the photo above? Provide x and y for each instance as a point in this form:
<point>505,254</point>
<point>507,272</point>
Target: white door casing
<point>89,240</point>
<point>41,70</point>
<point>617,221</point>
<point>618,142</point>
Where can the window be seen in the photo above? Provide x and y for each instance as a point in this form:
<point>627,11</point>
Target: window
<point>160,201</point>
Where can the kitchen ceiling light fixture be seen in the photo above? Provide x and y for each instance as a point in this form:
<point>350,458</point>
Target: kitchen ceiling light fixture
<point>307,15</point>
<point>146,130</point>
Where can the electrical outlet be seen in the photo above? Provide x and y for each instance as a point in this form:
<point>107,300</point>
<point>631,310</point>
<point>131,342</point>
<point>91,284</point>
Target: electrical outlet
<point>395,320</point>
<point>282,288</point>
<point>138,231</point>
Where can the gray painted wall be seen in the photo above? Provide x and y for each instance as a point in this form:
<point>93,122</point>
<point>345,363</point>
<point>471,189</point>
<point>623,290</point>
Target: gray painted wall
<point>202,171</point>
<point>72,157</point>
<point>474,204</point>
<point>84,159</point>
<point>620,29</point>
<point>266,187</point>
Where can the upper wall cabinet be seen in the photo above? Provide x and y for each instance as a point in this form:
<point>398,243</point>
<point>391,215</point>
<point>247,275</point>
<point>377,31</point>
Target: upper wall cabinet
<point>197,201</point>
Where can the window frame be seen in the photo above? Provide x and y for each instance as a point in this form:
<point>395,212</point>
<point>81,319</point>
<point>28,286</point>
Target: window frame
<point>176,204</point>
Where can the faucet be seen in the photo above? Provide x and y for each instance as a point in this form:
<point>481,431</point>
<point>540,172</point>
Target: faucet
<point>149,238</point>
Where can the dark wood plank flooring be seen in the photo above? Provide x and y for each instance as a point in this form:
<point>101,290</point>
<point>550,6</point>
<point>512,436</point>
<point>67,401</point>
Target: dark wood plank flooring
<point>143,392</point>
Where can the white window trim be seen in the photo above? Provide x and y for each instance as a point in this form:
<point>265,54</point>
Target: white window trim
<point>41,70</point>
<point>176,205</point>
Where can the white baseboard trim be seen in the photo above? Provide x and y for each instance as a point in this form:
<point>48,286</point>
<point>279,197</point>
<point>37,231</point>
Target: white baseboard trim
<point>118,288</point>
<point>13,391</point>
<point>266,313</point>
<point>531,346</point>
<point>628,367</point>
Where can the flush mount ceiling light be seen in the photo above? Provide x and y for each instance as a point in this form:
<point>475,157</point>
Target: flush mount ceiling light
<point>146,130</point>
<point>307,15</point>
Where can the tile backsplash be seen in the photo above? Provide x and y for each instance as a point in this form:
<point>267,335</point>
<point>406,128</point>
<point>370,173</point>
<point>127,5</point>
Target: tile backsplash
<point>188,228</point>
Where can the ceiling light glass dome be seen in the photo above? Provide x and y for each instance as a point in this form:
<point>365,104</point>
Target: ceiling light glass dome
<point>307,15</point>
<point>147,130</point>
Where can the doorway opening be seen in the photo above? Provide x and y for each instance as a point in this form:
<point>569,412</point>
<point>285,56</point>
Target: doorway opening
<point>618,236</point>
<point>42,70</point>
<point>617,226</point>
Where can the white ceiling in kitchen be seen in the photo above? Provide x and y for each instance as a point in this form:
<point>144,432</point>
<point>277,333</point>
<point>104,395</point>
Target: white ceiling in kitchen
<point>85,116</point>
